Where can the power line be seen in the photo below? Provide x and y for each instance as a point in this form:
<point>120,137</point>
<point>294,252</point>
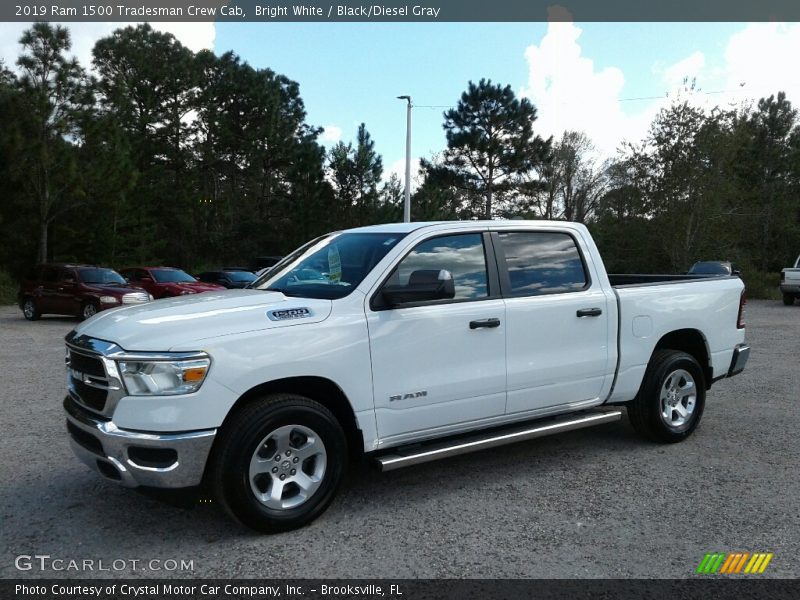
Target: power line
<point>740,89</point>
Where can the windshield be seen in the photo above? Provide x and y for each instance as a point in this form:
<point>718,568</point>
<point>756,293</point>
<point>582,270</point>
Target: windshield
<point>171,276</point>
<point>709,268</point>
<point>328,267</point>
<point>100,276</point>
<point>240,276</point>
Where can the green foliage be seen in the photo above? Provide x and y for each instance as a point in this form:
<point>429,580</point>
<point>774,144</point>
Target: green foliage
<point>762,285</point>
<point>8,289</point>
<point>490,142</point>
<point>170,156</point>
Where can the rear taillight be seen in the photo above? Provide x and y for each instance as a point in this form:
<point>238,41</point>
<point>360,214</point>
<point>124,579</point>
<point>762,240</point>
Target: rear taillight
<point>742,304</point>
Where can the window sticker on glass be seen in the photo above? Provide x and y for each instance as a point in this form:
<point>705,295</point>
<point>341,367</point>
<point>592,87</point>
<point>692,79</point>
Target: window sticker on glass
<point>334,265</point>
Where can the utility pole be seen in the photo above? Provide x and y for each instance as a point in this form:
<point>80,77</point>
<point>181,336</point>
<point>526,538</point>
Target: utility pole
<point>407,202</point>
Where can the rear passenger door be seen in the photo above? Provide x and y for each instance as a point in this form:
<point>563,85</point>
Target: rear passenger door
<point>48,299</point>
<point>557,330</point>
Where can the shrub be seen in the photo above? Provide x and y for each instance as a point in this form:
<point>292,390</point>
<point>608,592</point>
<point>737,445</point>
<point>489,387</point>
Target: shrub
<point>8,288</point>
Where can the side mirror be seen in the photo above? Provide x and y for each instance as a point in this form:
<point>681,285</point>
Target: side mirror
<point>737,273</point>
<point>423,286</point>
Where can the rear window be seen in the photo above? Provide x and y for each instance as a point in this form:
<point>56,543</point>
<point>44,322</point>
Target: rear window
<point>240,276</point>
<point>541,262</point>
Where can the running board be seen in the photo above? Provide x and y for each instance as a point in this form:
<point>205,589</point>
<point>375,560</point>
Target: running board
<point>414,455</point>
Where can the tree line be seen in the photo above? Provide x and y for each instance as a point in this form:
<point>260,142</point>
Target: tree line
<point>160,154</point>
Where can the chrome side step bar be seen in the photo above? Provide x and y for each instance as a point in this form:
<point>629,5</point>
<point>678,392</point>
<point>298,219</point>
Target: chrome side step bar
<point>405,457</point>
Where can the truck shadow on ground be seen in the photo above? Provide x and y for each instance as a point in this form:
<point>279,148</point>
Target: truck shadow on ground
<point>102,507</point>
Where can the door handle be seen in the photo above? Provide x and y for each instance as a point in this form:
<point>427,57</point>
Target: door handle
<point>489,323</point>
<point>589,312</point>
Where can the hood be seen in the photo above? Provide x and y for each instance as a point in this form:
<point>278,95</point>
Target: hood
<point>112,289</point>
<point>195,286</point>
<point>187,320</point>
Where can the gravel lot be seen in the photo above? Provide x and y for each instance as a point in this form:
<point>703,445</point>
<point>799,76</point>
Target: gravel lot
<point>592,503</point>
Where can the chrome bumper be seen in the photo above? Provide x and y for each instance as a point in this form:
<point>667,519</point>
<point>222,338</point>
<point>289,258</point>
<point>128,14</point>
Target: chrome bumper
<point>740,355</point>
<point>132,458</point>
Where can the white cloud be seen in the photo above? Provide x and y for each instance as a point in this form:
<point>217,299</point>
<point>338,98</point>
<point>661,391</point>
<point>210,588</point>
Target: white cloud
<point>761,56</point>
<point>195,36</point>
<point>686,69</point>
<point>570,93</point>
<point>331,134</point>
<point>398,168</point>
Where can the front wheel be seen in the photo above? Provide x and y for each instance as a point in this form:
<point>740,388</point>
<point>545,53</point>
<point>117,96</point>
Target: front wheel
<point>788,299</point>
<point>670,402</point>
<point>278,462</point>
<point>88,310</point>
<point>30,310</point>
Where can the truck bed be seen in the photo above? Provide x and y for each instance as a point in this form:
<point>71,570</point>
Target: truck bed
<point>637,279</point>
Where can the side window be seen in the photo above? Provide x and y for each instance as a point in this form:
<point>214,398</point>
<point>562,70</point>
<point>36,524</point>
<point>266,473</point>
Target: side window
<point>542,262</point>
<point>462,255</point>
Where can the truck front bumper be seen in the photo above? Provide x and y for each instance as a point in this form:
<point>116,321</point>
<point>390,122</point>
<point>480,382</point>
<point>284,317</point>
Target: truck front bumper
<point>133,458</point>
<point>740,355</point>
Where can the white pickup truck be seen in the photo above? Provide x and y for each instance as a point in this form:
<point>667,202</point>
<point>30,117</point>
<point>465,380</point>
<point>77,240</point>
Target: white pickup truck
<point>403,343</point>
<point>790,283</point>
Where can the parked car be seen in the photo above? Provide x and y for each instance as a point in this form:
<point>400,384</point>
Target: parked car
<point>714,267</point>
<point>406,342</point>
<point>260,263</point>
<point>790,283</point>
<point>165,282</point>
<point>80,290</point>
<point>229,278</point>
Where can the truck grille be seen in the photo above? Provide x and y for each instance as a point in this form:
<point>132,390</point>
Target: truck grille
<point>86,364</point>
<point>136,298</point>
<point>87,381</point>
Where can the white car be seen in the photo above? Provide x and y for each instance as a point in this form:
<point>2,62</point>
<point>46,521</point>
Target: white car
<point>405,342</point>
<point>790,283</point>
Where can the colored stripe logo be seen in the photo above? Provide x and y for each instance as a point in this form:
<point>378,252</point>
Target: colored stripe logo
<point>734,563</point>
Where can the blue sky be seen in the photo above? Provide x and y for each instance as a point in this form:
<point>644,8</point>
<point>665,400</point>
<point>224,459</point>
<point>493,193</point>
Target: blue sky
<point>350,73</point>
<point>580,76</point>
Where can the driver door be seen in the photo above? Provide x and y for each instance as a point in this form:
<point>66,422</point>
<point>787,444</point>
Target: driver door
<point>440,365</point>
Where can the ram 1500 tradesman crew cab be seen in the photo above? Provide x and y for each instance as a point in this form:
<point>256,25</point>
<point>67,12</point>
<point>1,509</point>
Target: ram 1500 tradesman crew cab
<point>405,342</point>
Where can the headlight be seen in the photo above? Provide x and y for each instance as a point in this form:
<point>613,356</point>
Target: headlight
<point>163,377</point>
<point>108,300</point>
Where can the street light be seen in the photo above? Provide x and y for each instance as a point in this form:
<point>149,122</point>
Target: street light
<point>407,203</point>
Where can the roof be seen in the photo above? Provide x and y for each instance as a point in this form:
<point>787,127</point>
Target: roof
<point>415,225</point>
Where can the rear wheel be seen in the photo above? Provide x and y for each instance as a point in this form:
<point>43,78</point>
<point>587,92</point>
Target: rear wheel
<point>30,310</point>
<point>788,299</point>
<point>278,462</point>
<point>670,403</point>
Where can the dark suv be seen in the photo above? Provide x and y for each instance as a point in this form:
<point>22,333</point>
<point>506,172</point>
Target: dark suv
<point>229,277</point>
<point>79,290</point>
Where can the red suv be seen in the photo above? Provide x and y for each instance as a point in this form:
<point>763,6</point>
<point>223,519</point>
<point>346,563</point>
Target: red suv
<point>164,282</point>
<point>80,290</point>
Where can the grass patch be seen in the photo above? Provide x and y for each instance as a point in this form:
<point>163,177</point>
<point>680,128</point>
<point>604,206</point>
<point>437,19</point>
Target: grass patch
<point>762,285</point>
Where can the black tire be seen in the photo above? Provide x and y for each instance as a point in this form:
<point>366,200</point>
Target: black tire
<point>788,299</point>
<point>88,310</point>
<point>645,411</point>
<point>243,435</point>
<point>30,310</point>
